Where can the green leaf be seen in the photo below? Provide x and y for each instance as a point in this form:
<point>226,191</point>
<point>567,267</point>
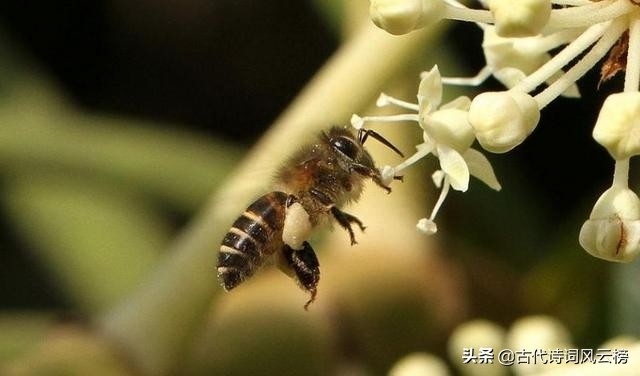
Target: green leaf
<point>98,241</point>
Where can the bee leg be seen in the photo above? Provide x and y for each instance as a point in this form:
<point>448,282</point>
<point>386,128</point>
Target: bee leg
<point>373,174</point>
<point>291,199</point>
<point>345,220</point>
<point>306,267</point>
<point>321,196</point>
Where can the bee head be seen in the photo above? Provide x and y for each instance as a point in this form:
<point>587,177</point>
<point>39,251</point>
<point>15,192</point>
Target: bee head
<point>351,154</point>
<point>344,143</point>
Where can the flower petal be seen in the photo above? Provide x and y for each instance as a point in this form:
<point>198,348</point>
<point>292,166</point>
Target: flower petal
<point>460,103</point>
<point>438,178</point>
<point>509,76</point>
<point>430,90</point>
<point>480,167</point>
<point>455,167</point>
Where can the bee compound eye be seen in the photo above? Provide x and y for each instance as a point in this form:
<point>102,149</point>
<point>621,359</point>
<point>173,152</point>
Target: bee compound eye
<point>346,146</point>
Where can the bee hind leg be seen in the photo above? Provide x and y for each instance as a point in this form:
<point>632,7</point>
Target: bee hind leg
<point>306,268</point>
<point>345,220</point>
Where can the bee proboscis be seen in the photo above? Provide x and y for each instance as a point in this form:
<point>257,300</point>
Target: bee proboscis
<point>310,189</point>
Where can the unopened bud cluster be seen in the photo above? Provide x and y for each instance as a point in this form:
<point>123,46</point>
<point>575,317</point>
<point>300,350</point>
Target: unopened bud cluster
<point>518,38</point>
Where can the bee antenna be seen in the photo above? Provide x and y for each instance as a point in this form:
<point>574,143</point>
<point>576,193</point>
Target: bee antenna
<point>364,133</point>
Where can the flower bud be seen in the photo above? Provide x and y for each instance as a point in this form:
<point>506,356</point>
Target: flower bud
<point>419,364</point>
<point>502,120</point>
<point>612,231</point>
<point>537,332</point>
<point>618,125</point>
<point>402,16</point>
<point>522,18</point>
<point>477,334</point>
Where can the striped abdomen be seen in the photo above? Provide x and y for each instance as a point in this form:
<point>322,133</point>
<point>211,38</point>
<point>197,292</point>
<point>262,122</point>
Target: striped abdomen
<point>250,239</point>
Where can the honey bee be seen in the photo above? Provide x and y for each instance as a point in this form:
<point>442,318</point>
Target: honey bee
<point>310,189</point>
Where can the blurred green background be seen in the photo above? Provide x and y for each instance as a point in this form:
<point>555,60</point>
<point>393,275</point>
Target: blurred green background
<point>118,119</point>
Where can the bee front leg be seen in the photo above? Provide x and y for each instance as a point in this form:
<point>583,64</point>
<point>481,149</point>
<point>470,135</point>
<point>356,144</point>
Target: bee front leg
<point>291,199</point>
<point>306,268</point>
<point>345,220</point>
<point>373,174</point>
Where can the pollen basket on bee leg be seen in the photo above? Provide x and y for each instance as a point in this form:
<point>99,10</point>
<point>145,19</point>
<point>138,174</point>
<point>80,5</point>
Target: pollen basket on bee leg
<point>297,226</point>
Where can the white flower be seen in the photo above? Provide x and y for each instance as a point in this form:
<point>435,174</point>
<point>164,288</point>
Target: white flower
<point>447,135</point>
<point>612,231</point>
<point>618,125</point>
<point>502,120</point>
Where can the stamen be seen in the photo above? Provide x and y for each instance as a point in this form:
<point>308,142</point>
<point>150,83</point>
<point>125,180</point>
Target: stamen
<point>423,151</point>
<point>469,81</point>
<point>385,100</point>
<point>391,118</point>
<point>441,198</point>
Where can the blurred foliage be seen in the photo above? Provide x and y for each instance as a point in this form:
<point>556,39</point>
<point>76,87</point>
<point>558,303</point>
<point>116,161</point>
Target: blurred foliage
<point>95,199</point>
<point>21,332</point>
